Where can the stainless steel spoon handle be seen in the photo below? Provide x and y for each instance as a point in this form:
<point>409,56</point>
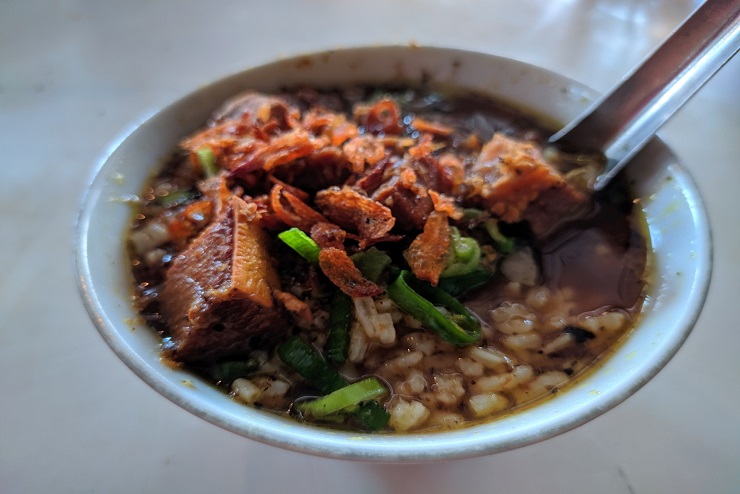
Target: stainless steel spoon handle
<point>622,121</point>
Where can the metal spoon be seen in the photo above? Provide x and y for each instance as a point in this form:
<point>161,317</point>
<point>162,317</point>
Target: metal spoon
<point>624,120</point>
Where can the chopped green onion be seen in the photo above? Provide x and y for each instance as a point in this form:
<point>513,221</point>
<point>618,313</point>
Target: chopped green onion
<point>420,300</point>
<point>464,254</point>
<point>302,358</point>
<point>207,161</point>
<point>229,370</point>
<point>371,416</point>
<point>340,321</point>
<point>465,248</point>
<point>471,213</point>
<point>503,244</point>
<point>459,284</point>
<point>344,400</point>
<point>371,263</point>
<point>301,243</point>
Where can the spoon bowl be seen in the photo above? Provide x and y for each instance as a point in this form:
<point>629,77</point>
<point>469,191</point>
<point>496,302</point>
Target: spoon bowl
<point>624,119</point>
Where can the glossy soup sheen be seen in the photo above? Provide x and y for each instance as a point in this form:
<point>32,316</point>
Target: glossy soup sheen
<point>551,308</point>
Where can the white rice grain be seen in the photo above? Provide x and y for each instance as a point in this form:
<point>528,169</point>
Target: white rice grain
<point>591,323</point>
<point>403,362</point>
<point>415,383</point>
<point>245,390</point>
<point>424,342</point>
<point>411,322</point>
<point>357,343</point>
<point>448,389</point>
<point>378,327</point>
<point>494,384</point>
<point>539,298</point>
<point>507,310</point>
<point>546,381</point>
<point>470,367</point>
<point>490,358</point>
<point>407,415</point>
<point>614,320</point>
<point>386,331</point>
<point>523,374</point>
<point>513,289</point>
<point>562,342</point>
<point>384,304</point>
<point>270,386</point>
<point>528,341</point>
<point>520,267</point>
<point>365,313</point>
<point>487,403</point>
<point>446,420</point>
<point>516,325</point>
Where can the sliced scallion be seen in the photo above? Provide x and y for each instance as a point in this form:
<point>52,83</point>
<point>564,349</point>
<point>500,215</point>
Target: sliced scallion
<point>371,416</point>
<point>340,321</point>
<point>301,243</point>
<point>302,358</point>
<point>503,244</point>
<point>371,263</point>
<point>464,254</point>
<point>207,161</point>
<point>460,284</point>
<point>420,300</point>
<point>471,214</point>
<point>225,372</point>
<point>344,400</point>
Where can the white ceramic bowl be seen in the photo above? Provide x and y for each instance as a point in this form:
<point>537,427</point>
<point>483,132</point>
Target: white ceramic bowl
<point>677,221</point>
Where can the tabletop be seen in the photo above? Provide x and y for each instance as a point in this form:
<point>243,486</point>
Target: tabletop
<point>74,418</point>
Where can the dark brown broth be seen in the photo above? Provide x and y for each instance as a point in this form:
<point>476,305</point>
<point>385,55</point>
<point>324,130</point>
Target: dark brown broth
<point>600,257</point>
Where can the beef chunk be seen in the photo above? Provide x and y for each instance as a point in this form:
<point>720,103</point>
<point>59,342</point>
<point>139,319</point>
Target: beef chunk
<point>217,295</point>
<point>553,207</point>
<point>406,184</point>
<point>405,191</point>
<point>410,205</point>
<point>512,180</point>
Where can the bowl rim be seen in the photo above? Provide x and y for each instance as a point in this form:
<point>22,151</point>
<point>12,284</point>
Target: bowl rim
<point>288,434</point>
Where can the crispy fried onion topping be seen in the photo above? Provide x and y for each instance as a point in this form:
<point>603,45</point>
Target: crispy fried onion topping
<point>328,235</point>
<point>382,117</point>
<point>296,212</point>
<point>427,254</point>
<point>356,212</point>
<point>339,268</point>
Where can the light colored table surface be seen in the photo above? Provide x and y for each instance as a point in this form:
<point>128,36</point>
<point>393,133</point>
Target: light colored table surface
<point>73,418</point>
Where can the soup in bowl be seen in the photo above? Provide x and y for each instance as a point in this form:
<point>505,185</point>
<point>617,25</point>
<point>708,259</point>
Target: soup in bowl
<point>372,253</point>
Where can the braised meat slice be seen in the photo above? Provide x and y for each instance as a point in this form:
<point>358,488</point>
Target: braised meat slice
<point>217,296</point>
<point>407,199</point>
<point>554,207</point>
<point>511,179</point>
<point>408,183</point>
